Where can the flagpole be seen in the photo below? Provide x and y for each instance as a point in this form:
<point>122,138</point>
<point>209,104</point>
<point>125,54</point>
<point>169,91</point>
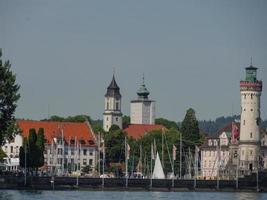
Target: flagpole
<point>151,166</point>
<point>103,165</point>
<point>126,163</point>
<point>173,171</point>
<point>25,157</point>
<point>180,174</point>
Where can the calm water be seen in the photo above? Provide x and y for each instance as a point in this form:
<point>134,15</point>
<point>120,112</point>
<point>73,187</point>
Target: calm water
<point>88,195</point>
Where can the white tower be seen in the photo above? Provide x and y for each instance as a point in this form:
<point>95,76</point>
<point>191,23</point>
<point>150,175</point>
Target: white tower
<point>249,145</point>
<point>143,109</point>
<point>112,114</point>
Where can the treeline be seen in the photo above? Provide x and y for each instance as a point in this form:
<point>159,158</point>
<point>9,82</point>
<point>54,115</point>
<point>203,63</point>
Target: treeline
<point>212,127</point>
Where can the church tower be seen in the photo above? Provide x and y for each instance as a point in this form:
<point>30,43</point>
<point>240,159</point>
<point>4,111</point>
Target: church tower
<point>249,144</point>
<point>112,114</point>
<point>143,109</point>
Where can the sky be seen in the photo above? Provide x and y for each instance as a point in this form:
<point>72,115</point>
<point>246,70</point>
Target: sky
<point>192,53</point>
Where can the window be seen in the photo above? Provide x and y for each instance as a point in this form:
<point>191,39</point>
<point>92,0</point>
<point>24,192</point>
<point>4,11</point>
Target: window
<point>91,153</point>
<point>244,109</point>
<point>244,122</point>
<point>251,96</point>
<point>84,161</point>
<point>84,152</point>
<point>117,105</point>
<point>251,152</point>
<point>250,134</point>
<point>209,163</point>
<point>107,106</point>
<point>245,96</point>
<point>91,162</point>
<point>11,149</point>
<point>251,109</point>
<point>116,119</point>
<point>107,119</point>
<point>205,163</point>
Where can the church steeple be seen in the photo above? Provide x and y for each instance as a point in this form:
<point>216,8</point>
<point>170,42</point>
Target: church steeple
<point>112,114</point>
<point>113,89</point>
<point>142,92</point>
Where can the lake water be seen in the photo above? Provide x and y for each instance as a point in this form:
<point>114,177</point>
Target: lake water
<point>106,195</point>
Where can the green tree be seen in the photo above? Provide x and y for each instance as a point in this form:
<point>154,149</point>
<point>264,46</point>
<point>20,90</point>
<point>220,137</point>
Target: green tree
<point>40,144</point>
<point>33,149</point>
<point>8,98</point>
<point>114,143</point>
<point>126,120</point>
<point>167,123</point>
<point>2,155</point>
<point>189,128</point>
<point>113,128</point>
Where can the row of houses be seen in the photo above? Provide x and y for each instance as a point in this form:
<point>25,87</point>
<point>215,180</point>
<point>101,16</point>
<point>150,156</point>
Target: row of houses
<point>68,146</point>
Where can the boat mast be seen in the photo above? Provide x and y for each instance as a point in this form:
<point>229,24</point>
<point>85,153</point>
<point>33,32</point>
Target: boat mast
<point>180,173</point>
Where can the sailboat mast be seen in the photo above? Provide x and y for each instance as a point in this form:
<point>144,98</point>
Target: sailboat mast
<point>180,174</point>
<point>162,148</point>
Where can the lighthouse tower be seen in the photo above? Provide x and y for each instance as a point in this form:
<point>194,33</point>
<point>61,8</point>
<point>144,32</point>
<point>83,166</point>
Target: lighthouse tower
<point>112,114</point>
<point>249,145</point>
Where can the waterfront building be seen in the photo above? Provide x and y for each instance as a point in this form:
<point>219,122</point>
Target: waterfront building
<point>215,153</point>
<point>249,144</point>
<point>69,146</point>
<point>142,109</point>
<point>112,114</point>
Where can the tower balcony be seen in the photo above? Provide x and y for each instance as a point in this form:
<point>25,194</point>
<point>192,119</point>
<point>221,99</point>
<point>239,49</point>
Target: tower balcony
<point>251,86</point>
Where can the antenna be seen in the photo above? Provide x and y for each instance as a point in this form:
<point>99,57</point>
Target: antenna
<point>114,70</point>
<point>143,78</point>
<point>251,60</point>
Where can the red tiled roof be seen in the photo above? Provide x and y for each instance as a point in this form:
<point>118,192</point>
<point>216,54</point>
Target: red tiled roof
<point>71,130</point>
<point>137,131</point>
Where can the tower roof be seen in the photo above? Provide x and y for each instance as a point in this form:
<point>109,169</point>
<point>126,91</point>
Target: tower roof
<point>113,89</point>
<point>251,67</point>
<point>142,92</point>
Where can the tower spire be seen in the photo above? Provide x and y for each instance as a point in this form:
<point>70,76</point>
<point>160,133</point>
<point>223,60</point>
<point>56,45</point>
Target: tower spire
<point>250,60</point>
<point>143,78</point>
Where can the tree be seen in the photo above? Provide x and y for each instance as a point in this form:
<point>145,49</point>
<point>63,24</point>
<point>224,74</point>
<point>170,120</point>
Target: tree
<point>114,143</point>
<point>2,155</point>
<point>40,147</point>
<point>113,128</point>
<point>33,149</point>
<point>189,128</point>
<point>126,120</point>
<point>8,98</point>
<point>167,123</point>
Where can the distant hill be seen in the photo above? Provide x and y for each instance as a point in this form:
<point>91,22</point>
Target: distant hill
<point>212,127</point>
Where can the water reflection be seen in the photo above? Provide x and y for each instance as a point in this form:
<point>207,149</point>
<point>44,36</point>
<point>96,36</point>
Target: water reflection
<point>113,195</point>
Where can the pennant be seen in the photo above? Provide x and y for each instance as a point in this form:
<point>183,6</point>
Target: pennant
<point>152,152</point>
<point>174,152</point>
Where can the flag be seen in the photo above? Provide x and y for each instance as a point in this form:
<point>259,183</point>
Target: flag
<point>174,152</point>
<point>152,152</point>
<point>128,151</point>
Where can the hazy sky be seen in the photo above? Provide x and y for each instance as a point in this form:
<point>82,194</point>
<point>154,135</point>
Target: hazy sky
<point>193,53</point>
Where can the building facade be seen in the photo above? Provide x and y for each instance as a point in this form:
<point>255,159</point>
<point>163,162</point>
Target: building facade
<point>143,109</point>
<point>112,114</point>
<point>249,144</point>
<point>68,146</point>
<point>215,154</point>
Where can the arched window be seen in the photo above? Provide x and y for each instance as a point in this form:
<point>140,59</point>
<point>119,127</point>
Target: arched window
<point>107,105</point>
<point>250,134</point>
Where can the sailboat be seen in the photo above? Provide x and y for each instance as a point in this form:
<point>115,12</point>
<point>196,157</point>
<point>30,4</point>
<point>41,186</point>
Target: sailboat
<point>158,170</point>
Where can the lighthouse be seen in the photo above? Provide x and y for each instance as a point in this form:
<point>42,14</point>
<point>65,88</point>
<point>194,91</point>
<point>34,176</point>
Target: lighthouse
<point>249,144</point>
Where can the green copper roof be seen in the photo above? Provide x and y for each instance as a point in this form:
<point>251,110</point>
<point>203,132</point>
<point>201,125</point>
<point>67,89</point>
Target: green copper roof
<point>142,92</point>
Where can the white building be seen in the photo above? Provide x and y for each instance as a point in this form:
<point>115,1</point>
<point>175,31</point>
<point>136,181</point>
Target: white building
<point>215,153</point>
<point>112,114</point>
<point>68,146</point>
<point>249,145</point>
<point>11,149</point>
<point>143,109</point>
